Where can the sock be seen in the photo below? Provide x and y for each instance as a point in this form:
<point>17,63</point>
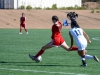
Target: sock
<point>26,30</point>
<point>89,56</point>
<point>20,30</point>
<point>39,53</point>
<point>74,48</point>
<point>83,61</point>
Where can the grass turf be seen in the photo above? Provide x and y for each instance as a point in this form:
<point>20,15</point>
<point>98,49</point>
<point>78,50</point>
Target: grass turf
<point>14,50</point>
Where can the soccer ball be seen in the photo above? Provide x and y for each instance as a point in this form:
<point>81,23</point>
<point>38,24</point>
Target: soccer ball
<point>39,58</point>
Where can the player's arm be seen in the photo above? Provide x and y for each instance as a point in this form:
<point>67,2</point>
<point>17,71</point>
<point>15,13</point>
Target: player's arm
<point>71,37</point>
<point>87,37</point>
<point>25,18</point>
<point>57,24</point>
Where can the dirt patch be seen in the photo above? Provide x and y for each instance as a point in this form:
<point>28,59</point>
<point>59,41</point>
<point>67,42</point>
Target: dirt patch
<point>41,19</point>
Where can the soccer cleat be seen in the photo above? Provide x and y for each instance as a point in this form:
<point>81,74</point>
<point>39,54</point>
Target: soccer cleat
<point>26,32</point>
<point>34,58</point>
<point>20,33</point>
<point>96,58</point>
<point>84,65</point>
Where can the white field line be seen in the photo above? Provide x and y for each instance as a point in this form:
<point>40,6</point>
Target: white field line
<point>36,71</point>
<point>96,38</point>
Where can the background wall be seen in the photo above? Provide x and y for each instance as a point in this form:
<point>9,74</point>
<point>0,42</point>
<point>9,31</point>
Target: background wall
<point>39,3</point>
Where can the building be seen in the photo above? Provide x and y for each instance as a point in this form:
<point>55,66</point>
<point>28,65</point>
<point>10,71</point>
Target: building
<point>16,4</point>
<point>8,4</point>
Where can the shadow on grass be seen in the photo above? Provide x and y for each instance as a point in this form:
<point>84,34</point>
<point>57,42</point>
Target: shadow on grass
<point>92,49</point>
<point>15,63</point>
<point>37,64</point>
<point>3,62</point>
<point>52,65</point>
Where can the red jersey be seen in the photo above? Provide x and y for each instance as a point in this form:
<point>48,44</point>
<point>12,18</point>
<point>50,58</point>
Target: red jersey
<point>22,20</point>
<point>56,30</point>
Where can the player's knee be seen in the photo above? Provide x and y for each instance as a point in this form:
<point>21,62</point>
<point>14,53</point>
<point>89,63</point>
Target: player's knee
<point>43,48</point>
<point>82,55</point>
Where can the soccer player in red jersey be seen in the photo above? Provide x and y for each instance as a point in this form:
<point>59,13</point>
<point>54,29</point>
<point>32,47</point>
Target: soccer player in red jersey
<point>23,23</point>
<point>57,39</point>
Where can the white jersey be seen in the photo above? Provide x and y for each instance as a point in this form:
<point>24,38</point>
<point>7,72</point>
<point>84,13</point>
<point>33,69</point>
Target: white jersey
<point>81,41</point>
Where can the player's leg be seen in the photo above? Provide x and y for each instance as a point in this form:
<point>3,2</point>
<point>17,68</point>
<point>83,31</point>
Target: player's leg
<point>74,48</point>
<point>20,29</point>
<point>87,56</point>
<point>82,55</point>
<point>25,29</point>
<point>82,52</point>
<point>66,47</point>
<point>45,47</point>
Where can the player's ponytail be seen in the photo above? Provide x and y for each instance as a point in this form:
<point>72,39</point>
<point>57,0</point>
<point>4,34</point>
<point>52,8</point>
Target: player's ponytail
<point>74,24</point>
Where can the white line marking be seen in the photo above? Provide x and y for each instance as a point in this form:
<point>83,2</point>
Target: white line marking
<point>41,71</point>
<point>96,38</point>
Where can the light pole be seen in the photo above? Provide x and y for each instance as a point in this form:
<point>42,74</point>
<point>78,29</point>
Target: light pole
<point>9,4</point>
<point>5,3</point>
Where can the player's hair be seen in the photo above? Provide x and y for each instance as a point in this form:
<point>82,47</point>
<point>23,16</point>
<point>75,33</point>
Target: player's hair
<point>22,13</point>
<point>74,23</point>
<point>55,18</point>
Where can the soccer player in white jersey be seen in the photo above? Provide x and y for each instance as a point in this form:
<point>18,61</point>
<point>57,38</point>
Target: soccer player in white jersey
<point>81,39</point>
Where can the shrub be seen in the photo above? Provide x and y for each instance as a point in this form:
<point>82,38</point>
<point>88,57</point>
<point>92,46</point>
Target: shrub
<point>70,8</point>
<point>48,8</point>
<point>97,11</point>
<point>97,8</point>
<point>29,7</point>
<point>54,6</point>
<point>76,6</point>
<point>14,19</point>
<point>22,7</point>
<point>63,8</point>
<point>38,8</point>
<point>81,8</point>
<point>92,11</point>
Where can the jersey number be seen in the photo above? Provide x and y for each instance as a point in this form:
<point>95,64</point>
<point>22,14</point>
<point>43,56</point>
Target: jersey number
<point>77,32</point>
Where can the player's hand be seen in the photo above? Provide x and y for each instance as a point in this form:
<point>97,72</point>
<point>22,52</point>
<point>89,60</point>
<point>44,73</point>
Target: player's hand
<point>89,41</point>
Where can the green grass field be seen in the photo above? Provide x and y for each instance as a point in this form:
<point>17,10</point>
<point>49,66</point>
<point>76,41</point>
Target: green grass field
<point>14,50</point>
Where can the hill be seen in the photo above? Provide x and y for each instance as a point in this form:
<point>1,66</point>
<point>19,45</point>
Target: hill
<point>41,19</point>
